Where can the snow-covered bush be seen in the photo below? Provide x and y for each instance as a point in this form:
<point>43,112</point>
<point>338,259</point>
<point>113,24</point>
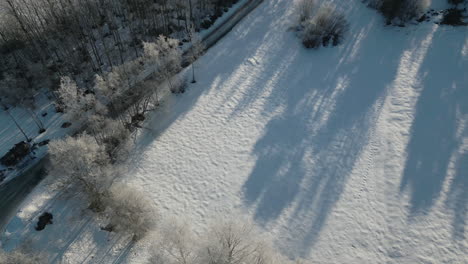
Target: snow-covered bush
<point>327,26</point>
<point>83,163</point>
<point>130,210</point>
<point>179,85</point>
<point>400,11</point>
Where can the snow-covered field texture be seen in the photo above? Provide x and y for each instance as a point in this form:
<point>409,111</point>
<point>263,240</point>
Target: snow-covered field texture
<point>351,154</point>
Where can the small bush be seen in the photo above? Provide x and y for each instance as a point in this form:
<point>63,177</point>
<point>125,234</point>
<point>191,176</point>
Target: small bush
<point>456,2</point>
<point>453,17</point>
<point>179,85</point>
<point>400,11</point>
<point>16,154</point>
<point>327,26</point>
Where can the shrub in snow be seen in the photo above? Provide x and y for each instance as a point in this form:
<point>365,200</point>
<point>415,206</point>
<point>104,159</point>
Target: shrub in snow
<point>456,2</point>
<point>179,85</point>
<point>16,154</point>
<point>327,26</point>
<point>400,11</point>
<point>82,162</point>
<point>453,17</point>
<point>130,210</point>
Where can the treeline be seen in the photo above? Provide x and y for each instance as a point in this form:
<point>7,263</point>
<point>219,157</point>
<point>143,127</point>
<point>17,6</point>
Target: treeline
<point>42,40</point>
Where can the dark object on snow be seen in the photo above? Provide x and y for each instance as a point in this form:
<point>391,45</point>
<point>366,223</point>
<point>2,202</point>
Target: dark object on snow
<point>88,92</point>
<point>44,114</point>
<point>43,143</point>
<point>138,118</point>
<point>66,124</point>
<point>2,175</point>
<point>453,17</point>
<point>108,228</point>
<point>58,109</point>
<point>42,130</point>
<point>422,18</point>
<point>16,154</point>
<point>44,219</point>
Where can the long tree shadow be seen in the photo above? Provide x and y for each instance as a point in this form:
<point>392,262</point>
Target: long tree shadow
<point>175,107</point>
<point>307,152</point>
<point>458,197</point>
<point>441,108</point>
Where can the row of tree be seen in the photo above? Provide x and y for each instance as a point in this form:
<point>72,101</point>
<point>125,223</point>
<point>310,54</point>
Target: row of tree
<point>42,40</point>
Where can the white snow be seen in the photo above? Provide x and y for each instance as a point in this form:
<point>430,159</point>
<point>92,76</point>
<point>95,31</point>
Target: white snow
<point>351,154</point>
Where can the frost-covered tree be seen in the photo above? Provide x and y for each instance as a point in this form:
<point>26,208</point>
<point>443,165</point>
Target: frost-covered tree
<point>130,210</point>
<point>110,133</point>
<point>226,242</point>
<point>232,243</point>
<point>196,50</point>
<point>68,95</point>
<point>175,244</point>
<point>83,163</point>
<point>170,58</point>
<point>76,102</point>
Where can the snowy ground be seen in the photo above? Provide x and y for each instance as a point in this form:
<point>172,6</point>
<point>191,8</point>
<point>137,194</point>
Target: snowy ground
<point>354,154</point>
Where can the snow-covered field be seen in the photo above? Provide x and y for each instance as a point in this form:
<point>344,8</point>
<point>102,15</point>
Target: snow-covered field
<point>352,154</point>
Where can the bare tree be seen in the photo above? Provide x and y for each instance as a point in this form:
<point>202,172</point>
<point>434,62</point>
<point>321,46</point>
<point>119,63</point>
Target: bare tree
<point>196,49</point>
<point>226,242</point>
<point>130,210</point>
<point>84,164</point>
<point>231,243</point>
<point>175,244</point>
